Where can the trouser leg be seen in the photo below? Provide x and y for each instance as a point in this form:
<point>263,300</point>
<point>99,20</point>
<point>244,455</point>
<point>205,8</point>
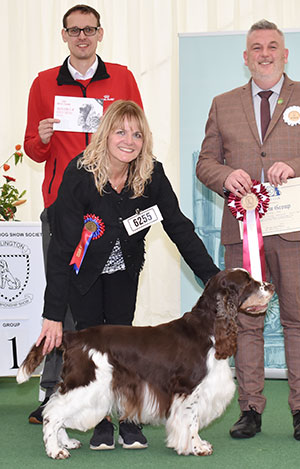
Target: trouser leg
<point>249,358</point>
<point>283,258</point>
<point>53,362</point>
<point>283,268</point>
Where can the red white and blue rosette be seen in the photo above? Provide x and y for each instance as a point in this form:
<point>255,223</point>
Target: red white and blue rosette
<point>249,209</point>
<point>93,229</point>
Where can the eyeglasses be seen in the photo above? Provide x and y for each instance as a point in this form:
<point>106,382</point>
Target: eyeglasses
<point>88,31</point>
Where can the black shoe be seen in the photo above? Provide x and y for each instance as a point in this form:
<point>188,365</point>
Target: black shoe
<point>103,436</point>
<point>296,423</point>
<point>130,436</point>
<point>248,425</point>
<point>36,415</point>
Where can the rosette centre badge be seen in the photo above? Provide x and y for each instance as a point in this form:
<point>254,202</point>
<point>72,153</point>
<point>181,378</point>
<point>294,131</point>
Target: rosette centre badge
<point>249,201</point>
<point>291,115</point>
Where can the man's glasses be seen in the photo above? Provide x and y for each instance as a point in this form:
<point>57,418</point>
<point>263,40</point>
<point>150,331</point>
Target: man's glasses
<point>88,31</point>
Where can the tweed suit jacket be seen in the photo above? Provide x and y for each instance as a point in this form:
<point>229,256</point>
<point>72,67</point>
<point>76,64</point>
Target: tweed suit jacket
<point>232,142</point>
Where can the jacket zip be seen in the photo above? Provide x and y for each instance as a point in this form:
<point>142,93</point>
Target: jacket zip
<point>53,176</point>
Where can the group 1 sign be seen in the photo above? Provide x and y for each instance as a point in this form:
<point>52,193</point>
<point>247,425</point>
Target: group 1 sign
<point>22,284</point>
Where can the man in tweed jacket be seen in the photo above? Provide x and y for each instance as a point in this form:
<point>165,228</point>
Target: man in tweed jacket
<point>232,154</point>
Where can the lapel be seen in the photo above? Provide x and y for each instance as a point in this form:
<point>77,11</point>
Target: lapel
<point>285,96</point>
<point>247,103</point>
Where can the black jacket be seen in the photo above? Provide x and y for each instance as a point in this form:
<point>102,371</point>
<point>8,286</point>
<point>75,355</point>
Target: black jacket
<point>77,197</point>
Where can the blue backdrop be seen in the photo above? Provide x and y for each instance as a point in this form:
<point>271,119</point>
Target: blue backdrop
<point>210,64</point>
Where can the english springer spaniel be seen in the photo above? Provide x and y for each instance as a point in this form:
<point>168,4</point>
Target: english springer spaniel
<point>176,372</point>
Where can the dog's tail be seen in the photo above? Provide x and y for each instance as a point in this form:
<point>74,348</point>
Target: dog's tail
<point>31,362</point>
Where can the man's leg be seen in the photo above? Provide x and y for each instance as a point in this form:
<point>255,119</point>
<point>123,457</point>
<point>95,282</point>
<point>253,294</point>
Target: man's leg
<point>284,263</point>
<point>50,375</point>
<point>249,361</point>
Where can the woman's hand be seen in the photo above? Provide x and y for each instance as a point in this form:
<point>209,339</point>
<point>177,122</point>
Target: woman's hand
<point>53,332</point>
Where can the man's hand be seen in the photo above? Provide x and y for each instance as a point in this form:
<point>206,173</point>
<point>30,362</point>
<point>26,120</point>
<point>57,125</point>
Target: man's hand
<point>238,182</point>
<point>45,129</point>
<point>279,173</point>
<point>53,332</point>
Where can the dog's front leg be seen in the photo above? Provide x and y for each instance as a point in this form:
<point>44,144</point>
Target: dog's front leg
<point>200,447</point>
<point>182,427</point>
<point>184,439</point>
<point>65,442</point>
<point>51,430</point>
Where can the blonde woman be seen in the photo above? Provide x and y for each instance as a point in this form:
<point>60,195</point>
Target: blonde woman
<point>109,198</point>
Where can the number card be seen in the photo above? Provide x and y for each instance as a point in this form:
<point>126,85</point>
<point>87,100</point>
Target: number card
<point>142,220</point>
<point>14,345</point>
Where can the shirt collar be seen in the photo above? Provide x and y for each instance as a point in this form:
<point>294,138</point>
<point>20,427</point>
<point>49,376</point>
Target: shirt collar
<point>276,88</point>
<point>89,74</point>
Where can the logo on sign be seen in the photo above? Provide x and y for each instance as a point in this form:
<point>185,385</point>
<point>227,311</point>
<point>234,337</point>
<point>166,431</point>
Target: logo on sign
<point>14,273</point>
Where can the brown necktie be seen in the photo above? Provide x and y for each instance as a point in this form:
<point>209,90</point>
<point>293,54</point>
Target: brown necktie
<point>265,116</point>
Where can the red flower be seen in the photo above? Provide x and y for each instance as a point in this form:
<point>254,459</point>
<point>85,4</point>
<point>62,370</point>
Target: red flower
<point>9,179</point>
<point>18,147</point>
<point>6,167</point>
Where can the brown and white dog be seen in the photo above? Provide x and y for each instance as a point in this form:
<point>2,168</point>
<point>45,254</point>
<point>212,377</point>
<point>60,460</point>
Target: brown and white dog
<point>176,372</point>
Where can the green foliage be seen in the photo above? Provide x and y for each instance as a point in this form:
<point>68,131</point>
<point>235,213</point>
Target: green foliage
<point>10,197</point>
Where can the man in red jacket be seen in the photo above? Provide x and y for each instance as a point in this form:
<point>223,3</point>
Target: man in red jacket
<point>83,74</point>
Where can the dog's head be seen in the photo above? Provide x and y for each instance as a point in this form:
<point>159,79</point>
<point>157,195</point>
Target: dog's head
<point>234,291</point>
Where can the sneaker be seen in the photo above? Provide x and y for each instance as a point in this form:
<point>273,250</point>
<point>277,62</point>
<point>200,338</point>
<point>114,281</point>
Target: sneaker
<point>103,436</point>
<point>36,415</point>
<point>130,436</point>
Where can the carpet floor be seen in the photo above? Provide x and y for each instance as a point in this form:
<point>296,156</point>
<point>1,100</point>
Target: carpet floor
<point>21,444</point>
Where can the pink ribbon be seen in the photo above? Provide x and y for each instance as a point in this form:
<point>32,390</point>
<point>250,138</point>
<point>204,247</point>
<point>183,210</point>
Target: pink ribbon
<point>253,246</point>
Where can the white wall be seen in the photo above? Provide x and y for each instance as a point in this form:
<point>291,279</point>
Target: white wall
<point>142,34</point>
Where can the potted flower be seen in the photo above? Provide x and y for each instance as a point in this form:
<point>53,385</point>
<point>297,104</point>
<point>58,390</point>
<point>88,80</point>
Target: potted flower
<point>10,197</point>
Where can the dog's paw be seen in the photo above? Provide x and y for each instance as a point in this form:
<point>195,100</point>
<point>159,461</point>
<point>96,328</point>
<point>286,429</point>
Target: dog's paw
<point>72,443</point>
<point>202,448</point>
<point>62,453</point>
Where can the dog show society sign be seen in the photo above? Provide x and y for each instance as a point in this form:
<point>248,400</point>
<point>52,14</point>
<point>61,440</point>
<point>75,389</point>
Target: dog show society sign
<point>22,284</point>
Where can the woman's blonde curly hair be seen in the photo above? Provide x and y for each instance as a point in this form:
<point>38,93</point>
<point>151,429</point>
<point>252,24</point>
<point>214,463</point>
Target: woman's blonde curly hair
<point>95,158</point>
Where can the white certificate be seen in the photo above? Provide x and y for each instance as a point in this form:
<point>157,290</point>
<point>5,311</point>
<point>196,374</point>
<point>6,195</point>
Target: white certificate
<point>77,114</point>
<point>283,214</point>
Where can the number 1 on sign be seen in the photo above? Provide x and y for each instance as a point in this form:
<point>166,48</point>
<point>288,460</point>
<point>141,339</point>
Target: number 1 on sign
<point>14,353</point>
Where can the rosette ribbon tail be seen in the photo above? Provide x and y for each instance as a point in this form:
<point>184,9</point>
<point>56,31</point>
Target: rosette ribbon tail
<point>253,246</point>
<point>93,229</point>
<point>248,210</point>
<point>81,249</point>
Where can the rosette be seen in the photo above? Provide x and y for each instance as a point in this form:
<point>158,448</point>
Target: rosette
<point>249,209</point>
<point>93,229</point>
<point>100,227</point>
<point>291,115</point>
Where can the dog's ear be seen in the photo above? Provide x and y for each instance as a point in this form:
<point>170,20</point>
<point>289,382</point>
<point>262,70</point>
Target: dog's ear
<point>225,324</point>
